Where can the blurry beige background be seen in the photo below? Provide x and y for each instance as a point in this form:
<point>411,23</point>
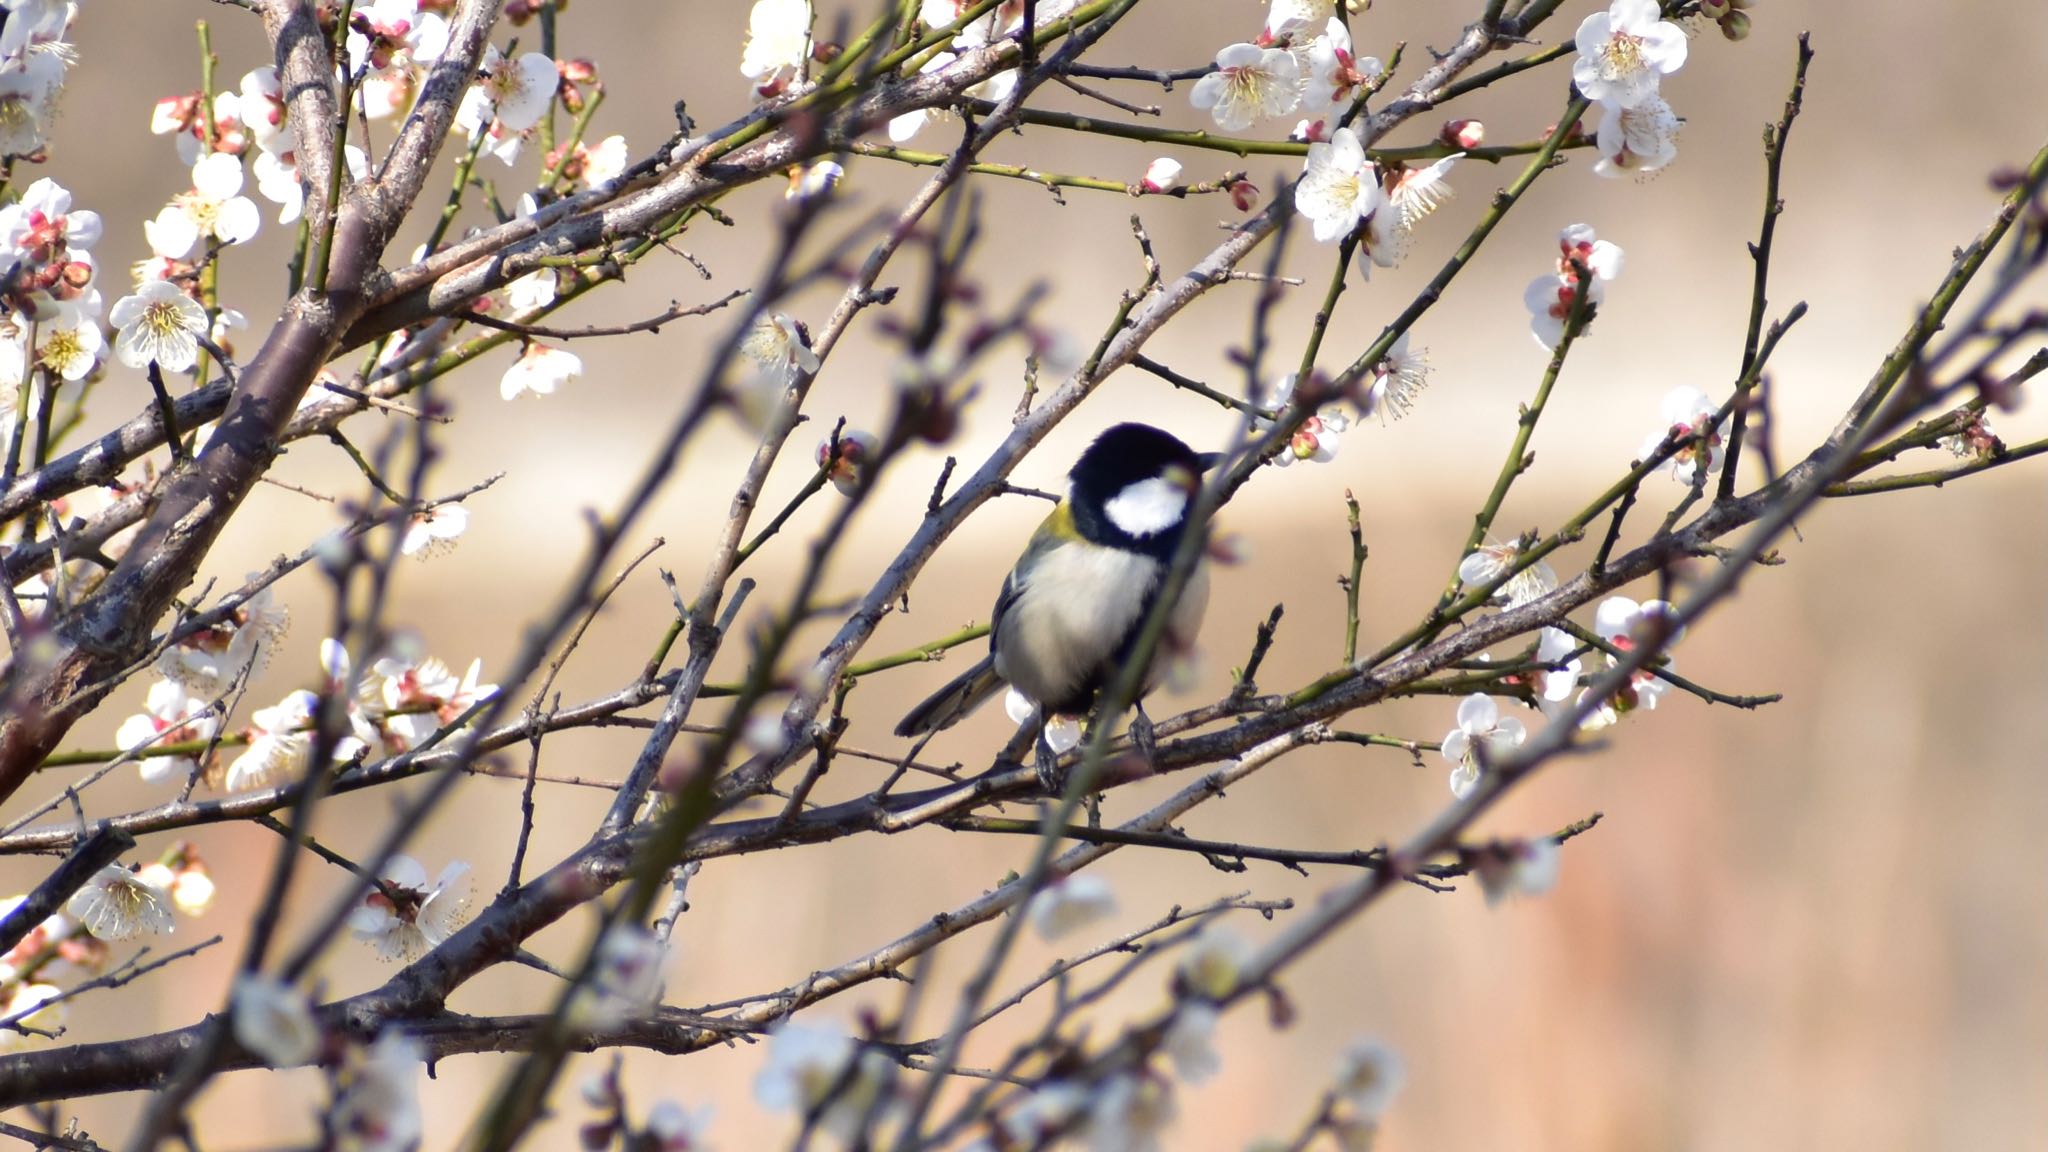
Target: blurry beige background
<point>1819,925</point>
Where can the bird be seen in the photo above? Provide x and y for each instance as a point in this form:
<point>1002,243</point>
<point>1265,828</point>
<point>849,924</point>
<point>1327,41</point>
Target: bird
<point>1071,608</point>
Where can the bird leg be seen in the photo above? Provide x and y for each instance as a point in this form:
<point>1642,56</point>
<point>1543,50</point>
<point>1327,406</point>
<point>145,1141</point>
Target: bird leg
<point>1049,776</point>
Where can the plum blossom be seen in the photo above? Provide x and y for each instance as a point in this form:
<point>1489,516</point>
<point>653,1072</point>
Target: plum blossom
<point>1625,51</point>
<point>1397,379</point>
<point>1340,187</point>
<point>417,700</point>
<point>379,1108</point>
<point>42,228</point>
<point>777,347</point>
<point>169,715</point>
<point>1044,1114</point>
<point>1489,562</point>
<point>1626,625</point>
<point>1549,297</point>
<point>214,207</point>
<point>158,323</point>
<point>591,166</point>
<point>263,110</point>
<point>1212,964</point>
<point>117,904</point>
<point>1975,440</point>
<point>1316,439</point>
<point>277,179</point>
<point>996,88</point>
<point>1191,1043</point>
<point>809,181</point>
<point>406,915</point>
<point>674,1128</point>
<point>1481,732</point>
<point>70,343</point>
<point>540,369</point>
<point>848,461</point>
<point>807,1070</point>
<point>778,43</point>
<point>397,41</point>
<point>1161,174</point>
<point>1687,413</point>
<point>1523,868</point>
<point>625,981</point>
<point>33,26</point>
<point>207,661</point>
<point>1369,1076</point>
<point>1290,18</point>
<point>27,94</point>
<point>531,292</point>
<point>1643,138</point>
<point>1334,75</point>
<point>280,744</point>
<point>29,1004</point>
<point>1069,904</point>
<point>510,98</point>
<point>434,531</point>
<point>1250,83</point>
<point>1555,685</point>
<point>273,1019</point>
<point>185,876</point>
<point>1131,1113</point>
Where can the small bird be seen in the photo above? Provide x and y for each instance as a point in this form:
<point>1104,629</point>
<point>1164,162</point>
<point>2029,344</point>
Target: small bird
<point>1072,606</point>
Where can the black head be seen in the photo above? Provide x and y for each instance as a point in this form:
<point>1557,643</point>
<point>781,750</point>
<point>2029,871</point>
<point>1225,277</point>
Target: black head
<point>1132,487</point>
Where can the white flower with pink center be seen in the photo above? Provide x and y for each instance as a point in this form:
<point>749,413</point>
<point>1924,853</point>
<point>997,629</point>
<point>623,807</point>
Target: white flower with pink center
<point>1482,736</point>
<point>215,208</point>
<point>169,715</point>
<point>1334,75</point>
<point>1688,416</point>
<point>540,369</point>
<point>407,915</point>
<point>1340,187</point>
<point>1250,84</point>
<point>1625,51</point>
<point>1641,139</point>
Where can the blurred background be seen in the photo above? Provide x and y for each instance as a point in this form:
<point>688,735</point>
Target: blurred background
<point>1822,924</point>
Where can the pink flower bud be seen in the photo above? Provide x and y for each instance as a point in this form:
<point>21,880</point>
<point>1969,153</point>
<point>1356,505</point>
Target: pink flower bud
<point>1244,195</point>
<point>1161,174</point>
<point>1465,134</point>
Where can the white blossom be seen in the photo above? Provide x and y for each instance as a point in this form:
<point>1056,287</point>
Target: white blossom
<point>274,1020</point>
<point>1250,83</point>
<point>27,93</point>
<point>277,179</point>
<point>1316,439</point>
<point>1397,379</point>
<point>213,208</point>
<point>434,531</point>
<point>169,715</point>
<point>625,980</point>
<point>1340,187</point>
<point>1625,51</point>
<point>1369,1076</point>
<point>1481,731</point>
<point>117,904</point>
<point>1191,1042</point>
<point>778,43</point>
<point>1160,175</point>
<point>1131,1113</point>
<point>1528,869</point>
<point>1334,75</point>
<point>1642,138</point>
<point>510,97</point>
<point>379,1108</point>
<point>158,323</point>
<point>415,915</point>
<point>1070,903</point>
<point>1213,963</point>
<point>207,661</point>
<point>1489,562</point>
<point>540,369</point>
<point>807,1070</point>
<point>281,745</point>
<point>674,1128</point>
<point>1687,412</point>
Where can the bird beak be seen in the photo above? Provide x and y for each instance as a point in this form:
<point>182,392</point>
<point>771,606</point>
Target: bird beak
<point>1208,460</point>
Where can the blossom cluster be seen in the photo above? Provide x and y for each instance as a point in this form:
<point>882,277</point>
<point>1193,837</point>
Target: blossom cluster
<point>71,945</point>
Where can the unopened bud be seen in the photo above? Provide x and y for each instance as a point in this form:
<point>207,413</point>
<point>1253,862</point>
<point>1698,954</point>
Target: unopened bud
<point>1244,195</point>
<point>578,71</point>
<point>825,51</point>
<point>1716,9</point>
<point>1735,25</point>
<point>1161,174</point>
<point>1464,134</point>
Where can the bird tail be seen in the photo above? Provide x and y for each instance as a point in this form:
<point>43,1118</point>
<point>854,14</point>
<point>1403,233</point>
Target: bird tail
<point>951,704</point>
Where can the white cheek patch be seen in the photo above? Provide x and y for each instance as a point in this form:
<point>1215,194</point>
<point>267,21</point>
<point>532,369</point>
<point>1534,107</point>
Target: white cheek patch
<point>1147,507</point>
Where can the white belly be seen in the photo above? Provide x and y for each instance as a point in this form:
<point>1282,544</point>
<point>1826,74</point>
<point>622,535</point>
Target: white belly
<point>1076,610</point>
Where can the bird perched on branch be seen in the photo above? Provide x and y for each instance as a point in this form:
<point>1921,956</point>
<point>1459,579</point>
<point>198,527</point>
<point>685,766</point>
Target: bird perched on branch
<point>1070,611</point>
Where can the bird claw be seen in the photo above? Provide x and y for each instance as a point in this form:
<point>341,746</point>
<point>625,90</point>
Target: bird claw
<point>1050,777</point>
<point>1142,737</point>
